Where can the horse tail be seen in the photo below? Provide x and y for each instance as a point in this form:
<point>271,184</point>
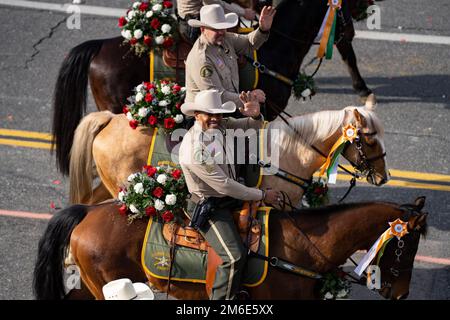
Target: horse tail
<point>81,157</point>
<point>48,270</point>
<point>69,99</point>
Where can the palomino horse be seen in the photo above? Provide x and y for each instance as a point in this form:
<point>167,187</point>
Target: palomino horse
<point>118,150</point>
<point>112,70</point>
<point>105,247</point>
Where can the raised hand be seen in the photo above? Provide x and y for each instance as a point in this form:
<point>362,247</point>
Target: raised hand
<point>266,18</point>
<point>251,104</point>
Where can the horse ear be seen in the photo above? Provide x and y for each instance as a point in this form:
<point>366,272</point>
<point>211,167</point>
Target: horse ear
<point>371,102</point>
<point>420,202</point>
<point>360,120</point>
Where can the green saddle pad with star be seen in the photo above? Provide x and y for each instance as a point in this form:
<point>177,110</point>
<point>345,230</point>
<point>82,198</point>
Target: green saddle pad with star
<point>190,264</point>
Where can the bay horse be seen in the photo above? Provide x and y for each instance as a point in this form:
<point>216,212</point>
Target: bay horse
<point>106,140</point>
<point>105,247</point>
<point>112,70</point>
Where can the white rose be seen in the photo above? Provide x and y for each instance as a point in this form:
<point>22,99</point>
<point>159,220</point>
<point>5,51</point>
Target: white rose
<point>306,93</point>
<point>129,116</point>
<point>162,178</point>
<point>159,39</point>
<point>126,34</point>
<point>139,188</point>
<point>157,7</point>
<point>328,296</point>
<point>139,87</point>
<point>139,97</point>
<point>143,112</point>
<point>163,103</point>
<point>165,89</point>
<point>171,199</point>
<point>136,4</point>
<point>149,14</point>
<point>165,28</point>
<point>159,205</point>
<point>131,176</point>
<point>138,33</point>
<point>121,195</point>
<point>342,294</point>
<point>134,209</point>
<point>183,89</point>
<point>131,14</point>
<point>179,118</point>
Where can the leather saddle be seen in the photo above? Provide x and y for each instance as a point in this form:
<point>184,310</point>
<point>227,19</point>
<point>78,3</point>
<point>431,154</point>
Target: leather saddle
<point>175,57</point>
<point>248,227</point>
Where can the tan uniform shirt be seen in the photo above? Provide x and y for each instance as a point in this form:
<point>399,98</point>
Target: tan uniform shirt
<point>210,178</point>
<point>215,67</point>
<point>193,7</point>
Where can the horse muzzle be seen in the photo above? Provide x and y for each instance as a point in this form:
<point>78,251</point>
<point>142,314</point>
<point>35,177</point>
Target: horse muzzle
<point>376,179</point>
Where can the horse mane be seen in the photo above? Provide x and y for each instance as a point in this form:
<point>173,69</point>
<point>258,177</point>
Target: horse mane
<point>318,126</point>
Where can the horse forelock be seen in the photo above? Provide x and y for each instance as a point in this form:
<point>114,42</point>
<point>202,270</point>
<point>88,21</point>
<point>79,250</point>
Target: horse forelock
<point>373,122</point>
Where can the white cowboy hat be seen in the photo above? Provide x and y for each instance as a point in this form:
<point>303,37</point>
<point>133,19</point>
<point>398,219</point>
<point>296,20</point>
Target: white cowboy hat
<point>213,16</point>
<point>124,289</point>
<point>208,101</point>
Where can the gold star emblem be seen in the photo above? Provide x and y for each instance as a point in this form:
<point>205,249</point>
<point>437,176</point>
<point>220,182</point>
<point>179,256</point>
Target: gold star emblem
<point>349,132</point>
<point>162,261</point>
<point>398,228</point>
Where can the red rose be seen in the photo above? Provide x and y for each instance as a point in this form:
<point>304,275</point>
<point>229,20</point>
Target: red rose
<point>123,210</point>
<point>150,170</point>
<point>133,41</point>
<point>125,109</point>
<point>169,123</point>
<point>167,216</point>
<point>150,211</point>
<point>148,97</point>
<point>155,23</point>
<point>148,41</point>
<point>176,174</point>
<point>158,192</point>
<point>149,85</point>
<point>134,124</point>
<point>143,6</point>
<point>152,120</point>
<point>176,88</point>
<point>178,105</point>
<point>168,42</point>
<point>122,21</point>
<point>318,190</point>
<point>167,4</point>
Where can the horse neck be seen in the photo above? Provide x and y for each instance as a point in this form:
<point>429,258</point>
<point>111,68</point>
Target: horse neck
<point>356,229</point>
<point>299,158</point>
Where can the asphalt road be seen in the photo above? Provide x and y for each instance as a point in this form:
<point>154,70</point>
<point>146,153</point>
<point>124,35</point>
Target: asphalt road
<point>410,80</point>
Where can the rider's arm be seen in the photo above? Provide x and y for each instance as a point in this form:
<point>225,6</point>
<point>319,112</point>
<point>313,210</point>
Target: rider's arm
<point>246,43</point>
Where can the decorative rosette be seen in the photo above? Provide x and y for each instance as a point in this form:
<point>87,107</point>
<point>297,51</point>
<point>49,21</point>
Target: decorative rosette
<point>316,195</point>
<point>149,25</point>
<point>349,132</point>
<point>156,104</point>
<point>398,228</point>
<point>156,191</point>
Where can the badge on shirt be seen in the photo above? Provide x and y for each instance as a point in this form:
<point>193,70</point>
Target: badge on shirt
<point>220,64</point>
<point>206,71</point>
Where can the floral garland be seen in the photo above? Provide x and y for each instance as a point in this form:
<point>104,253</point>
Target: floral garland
<point>304,86</point>
<point>335,286</point>
<point>316,195</point>
<point>149,24</point>
<point>156,104</point>
<point>156,191</point>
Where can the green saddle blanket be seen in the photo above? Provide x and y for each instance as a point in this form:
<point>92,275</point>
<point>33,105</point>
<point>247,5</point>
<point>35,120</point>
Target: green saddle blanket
<point>190,264</point>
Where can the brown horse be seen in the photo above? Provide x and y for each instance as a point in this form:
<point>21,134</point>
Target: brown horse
<point>112,70</point>
<point>118,151</point>
<point>105,247</point>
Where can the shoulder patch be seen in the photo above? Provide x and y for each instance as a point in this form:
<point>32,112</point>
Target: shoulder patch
<point>206,71</point>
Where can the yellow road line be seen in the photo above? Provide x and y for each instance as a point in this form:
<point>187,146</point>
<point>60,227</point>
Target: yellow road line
<point>22,143</point>
<point>26,134</point>
<point>435,177</point>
